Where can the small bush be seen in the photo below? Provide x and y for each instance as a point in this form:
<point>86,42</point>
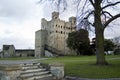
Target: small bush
<point>117,51</point>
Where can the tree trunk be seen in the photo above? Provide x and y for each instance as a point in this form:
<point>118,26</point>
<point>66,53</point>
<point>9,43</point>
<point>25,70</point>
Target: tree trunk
<point>100,46</point>
<point>99,31</point>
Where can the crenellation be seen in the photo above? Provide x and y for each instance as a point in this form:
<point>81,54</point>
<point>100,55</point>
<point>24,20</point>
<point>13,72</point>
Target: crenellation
<point>55,15</point>
<point>44,23</point>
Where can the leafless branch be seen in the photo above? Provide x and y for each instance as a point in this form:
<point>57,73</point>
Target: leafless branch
<point>84,5</point>
<point>105,17</point>
<point>105,12</point>
<point>108,1</point>
<point>91,13</point>
<point>83,16</point>
<point>112,4</point>
<point>111,19</point>
<point>78,4</point>
<point>91,24</point>
<point>91,2</point>
<point>58,3</point>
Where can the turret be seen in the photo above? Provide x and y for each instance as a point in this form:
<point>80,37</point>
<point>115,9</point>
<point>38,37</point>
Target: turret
<point>43,23</point>
<point>72,20</point>
<point>55,15</point>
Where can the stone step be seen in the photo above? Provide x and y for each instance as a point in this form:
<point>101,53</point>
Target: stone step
<point>38,77</point>
<point>29,64</point>
<point>31,67</point>
<point>34,74</point>
<point>32,70</point>
<point>47,78</point>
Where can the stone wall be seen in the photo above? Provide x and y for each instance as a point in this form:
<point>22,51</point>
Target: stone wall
<point>40,40</point>
<point>25,52</point>
<point>10,72</point>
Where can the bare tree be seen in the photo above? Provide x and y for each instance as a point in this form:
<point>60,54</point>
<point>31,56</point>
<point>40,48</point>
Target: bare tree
<point>95,13</point>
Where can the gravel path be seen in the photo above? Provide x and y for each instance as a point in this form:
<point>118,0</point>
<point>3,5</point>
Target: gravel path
<point>11,62</point>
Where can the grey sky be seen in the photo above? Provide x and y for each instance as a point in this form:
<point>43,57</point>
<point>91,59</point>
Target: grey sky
<point>19,19</point>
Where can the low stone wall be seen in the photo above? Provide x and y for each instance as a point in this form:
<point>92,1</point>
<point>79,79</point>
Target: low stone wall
<point>9,72</point>
<point>57,69</point>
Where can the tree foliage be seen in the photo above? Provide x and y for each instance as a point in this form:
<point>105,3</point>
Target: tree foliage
<point>108,45</point>
<point>79,42</point>
<point>116,40</point>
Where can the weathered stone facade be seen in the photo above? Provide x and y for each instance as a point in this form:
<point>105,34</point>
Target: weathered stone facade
<point>8,51</point>
<point>24,52</point>
<point>53,35</point>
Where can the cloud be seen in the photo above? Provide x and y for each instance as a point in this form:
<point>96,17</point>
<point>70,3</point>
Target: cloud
<point>23,33</point>
<point>19,19</point>
<point>19,10</point>
<point>15,8</point>
<point>113,29</point>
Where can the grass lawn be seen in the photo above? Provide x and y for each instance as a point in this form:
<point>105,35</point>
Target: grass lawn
<point>17,58</point>
<point>83,66</point>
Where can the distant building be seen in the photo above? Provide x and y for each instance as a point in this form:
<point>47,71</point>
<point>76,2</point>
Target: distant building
<point>24,52</point>
<point>53,34</point>
<point>1,54</point>
<point>8,51</point>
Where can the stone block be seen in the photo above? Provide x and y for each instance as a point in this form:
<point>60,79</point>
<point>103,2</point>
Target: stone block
<point>10,72</point>
<point>57,69</point>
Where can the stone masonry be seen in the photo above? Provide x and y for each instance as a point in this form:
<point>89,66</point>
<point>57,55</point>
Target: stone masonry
<point>53,35</point>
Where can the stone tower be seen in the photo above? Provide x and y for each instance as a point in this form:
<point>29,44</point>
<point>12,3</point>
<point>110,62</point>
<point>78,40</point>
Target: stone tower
<point>55,15</point>
<point>40,40</point>
<point>53,34</point>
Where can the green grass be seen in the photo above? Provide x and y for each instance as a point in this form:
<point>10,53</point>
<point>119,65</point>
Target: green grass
<point>17,58</point>
<point>83,66</point>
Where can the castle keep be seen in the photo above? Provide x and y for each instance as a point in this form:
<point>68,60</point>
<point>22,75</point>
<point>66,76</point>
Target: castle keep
<point>53,34</point>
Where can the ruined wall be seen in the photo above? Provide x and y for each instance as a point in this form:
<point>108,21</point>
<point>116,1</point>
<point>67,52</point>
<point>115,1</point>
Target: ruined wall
<point>40,40</point>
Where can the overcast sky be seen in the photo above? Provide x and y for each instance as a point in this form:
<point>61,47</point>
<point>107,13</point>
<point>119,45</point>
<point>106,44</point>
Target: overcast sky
<point>19,19</point>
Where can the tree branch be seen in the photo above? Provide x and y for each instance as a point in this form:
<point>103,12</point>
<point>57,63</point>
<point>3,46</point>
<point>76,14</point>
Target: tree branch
<point>111,19</point>
<point>84,6</point>
<point>112,4</point>
<point>107,13</point>
<point>92,12</point>
<point>91,2</point>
